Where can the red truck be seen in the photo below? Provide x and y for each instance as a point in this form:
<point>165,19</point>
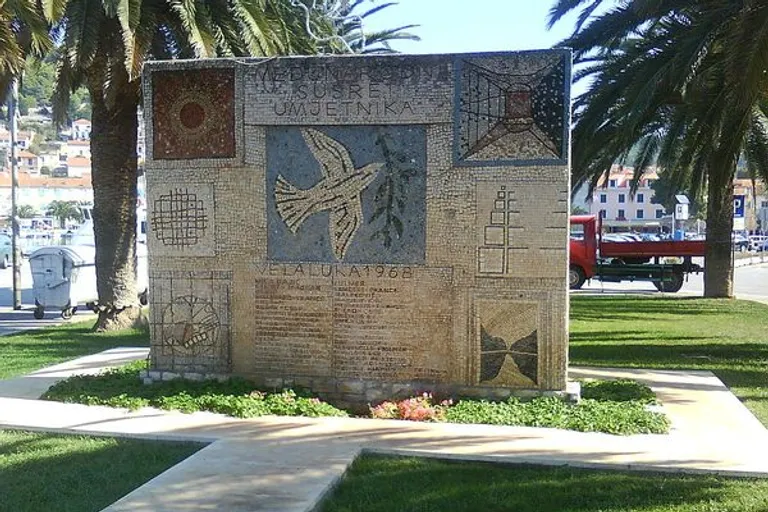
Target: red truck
<point>591,257</point>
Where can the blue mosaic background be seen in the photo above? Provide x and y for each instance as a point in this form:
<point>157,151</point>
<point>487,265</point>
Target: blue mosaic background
<point>403,151</point>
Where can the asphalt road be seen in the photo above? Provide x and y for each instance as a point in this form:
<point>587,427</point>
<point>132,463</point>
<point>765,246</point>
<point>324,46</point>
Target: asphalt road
<point>749,283</point>
<point>13,321</point>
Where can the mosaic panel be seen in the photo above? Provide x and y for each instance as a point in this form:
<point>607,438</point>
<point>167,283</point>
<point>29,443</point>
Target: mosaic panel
<point>508,338</point>
<point>522,229</point>
<point>194,114</point>
<point>343,194</point>
<point>365,226</point>
<point>181,220</point>
<point>512,111</point>
<point>192,329</point>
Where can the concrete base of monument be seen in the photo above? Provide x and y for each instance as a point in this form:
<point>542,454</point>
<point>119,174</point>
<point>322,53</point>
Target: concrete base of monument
<point>357,395</point>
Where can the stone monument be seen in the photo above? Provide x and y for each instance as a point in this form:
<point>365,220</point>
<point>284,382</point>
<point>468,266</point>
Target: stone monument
<point>366,227</point>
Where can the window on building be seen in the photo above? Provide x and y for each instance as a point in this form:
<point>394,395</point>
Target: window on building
<point>640,198</point>
<point>640,214</point>
<point>603,198</point>
<point>603,214</point>
<point>612,183</point>
<point>622,198</point>
<point>620,215</point>
<point>659,214</point>
<point>764,204</point>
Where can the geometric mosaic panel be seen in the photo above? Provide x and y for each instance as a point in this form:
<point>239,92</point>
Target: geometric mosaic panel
<point>181,220</point>
<point>508,341</point>
<point>194,114</point>
<point>511,111</point>
<point>193,323</point>
<point>521,230</point>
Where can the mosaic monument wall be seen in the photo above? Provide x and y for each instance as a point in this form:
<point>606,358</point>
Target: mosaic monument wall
<point>363,226</point>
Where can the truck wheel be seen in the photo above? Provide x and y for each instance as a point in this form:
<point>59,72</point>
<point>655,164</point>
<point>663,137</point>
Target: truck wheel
<point>39,313</point>
<point>576,277</point>
<point>671,286</point>
<point>143,298</point>
<point>5,263</point>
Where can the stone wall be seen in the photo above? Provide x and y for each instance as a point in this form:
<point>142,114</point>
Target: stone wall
<point>364,226</point>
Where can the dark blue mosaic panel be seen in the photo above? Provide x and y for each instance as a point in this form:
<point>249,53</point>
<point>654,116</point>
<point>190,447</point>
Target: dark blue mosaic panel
<point>351,194</point>
<point>512,110</point>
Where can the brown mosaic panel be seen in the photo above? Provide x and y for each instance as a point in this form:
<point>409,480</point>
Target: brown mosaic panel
<point>194,114</point>
<point>191,324</point>
<point>380,322</point>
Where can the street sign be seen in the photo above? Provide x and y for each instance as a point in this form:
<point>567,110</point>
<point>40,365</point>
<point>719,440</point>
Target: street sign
<point>738,207</point>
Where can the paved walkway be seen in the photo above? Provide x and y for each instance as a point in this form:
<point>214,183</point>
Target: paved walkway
<point>288,464</point>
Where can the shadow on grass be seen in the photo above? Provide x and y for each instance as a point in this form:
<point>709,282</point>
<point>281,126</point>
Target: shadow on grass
<point>381,483</point>
<point>725,359</point>
<point>78,474</point>
<point>586,308</point>
<point>30,350</point>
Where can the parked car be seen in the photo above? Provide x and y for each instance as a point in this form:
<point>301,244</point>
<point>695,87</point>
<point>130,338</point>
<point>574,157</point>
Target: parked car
<point>740,243</point>
<point>5,251</point>
<point>757,242</point>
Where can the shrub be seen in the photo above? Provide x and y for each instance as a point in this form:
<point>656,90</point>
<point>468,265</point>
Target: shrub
<point>419,408</point>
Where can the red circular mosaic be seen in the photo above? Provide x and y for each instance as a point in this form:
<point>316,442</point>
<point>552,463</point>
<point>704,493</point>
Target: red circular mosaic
<point>192,115</point>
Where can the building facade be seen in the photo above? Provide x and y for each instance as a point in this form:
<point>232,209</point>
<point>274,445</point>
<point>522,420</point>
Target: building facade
<point>622,210</point>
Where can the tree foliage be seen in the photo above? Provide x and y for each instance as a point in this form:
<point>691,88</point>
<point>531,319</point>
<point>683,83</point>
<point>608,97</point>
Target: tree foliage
<point>685,81</point>
<point>64,211</point>
<point>26,211</point>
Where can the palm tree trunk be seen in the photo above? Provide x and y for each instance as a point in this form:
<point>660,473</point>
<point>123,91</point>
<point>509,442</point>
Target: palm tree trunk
<point>718,268</point>
<point>113,148</point>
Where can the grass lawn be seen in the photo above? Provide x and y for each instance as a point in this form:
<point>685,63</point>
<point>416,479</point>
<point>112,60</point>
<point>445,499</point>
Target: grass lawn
<point>382,484</point>
<point>727,337</point>
<point>78,474</point>
<point>31,350</point>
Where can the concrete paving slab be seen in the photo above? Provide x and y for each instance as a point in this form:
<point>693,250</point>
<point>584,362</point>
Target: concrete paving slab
<point>13,321</point>
<point>288,464</point>
<point>36,383</point>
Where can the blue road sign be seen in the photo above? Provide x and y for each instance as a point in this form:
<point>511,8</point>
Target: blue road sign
<point>738,207</point>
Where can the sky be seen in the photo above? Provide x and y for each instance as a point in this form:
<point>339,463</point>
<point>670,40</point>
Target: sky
<point>455,26</point>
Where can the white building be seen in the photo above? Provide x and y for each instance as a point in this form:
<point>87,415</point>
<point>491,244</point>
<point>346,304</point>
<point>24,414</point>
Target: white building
<point>23,139</point>
<point>81,129</point>
<point>39,191</point>
<point>75,148</point>
<point>622,211</point>
<point>77,166</point>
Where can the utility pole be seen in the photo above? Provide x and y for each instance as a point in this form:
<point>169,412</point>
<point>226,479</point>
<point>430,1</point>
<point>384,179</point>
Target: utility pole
<point>12,107</point>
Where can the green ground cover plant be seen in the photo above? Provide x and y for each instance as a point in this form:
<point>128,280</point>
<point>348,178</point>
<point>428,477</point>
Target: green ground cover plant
<point>27,351</point>
<point>727,337</point>
<point>122,387</point>
<point>75,473</point>
<point>613,412</point>
<point>376,483</point>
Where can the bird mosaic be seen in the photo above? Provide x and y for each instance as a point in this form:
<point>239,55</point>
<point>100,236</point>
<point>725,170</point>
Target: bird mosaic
<point>337,192</point>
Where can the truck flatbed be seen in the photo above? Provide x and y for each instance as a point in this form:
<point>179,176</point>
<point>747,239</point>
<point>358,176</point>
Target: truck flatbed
<point>665,248</point>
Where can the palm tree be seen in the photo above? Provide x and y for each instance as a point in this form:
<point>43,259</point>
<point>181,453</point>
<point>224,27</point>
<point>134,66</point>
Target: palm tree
<point>64,210</point>
<point>25,211</point>
<point>351,34</point>
<point>103,45</point>
<point>684,83</point>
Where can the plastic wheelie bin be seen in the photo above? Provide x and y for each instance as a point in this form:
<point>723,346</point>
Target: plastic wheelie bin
<point>63,278</point>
